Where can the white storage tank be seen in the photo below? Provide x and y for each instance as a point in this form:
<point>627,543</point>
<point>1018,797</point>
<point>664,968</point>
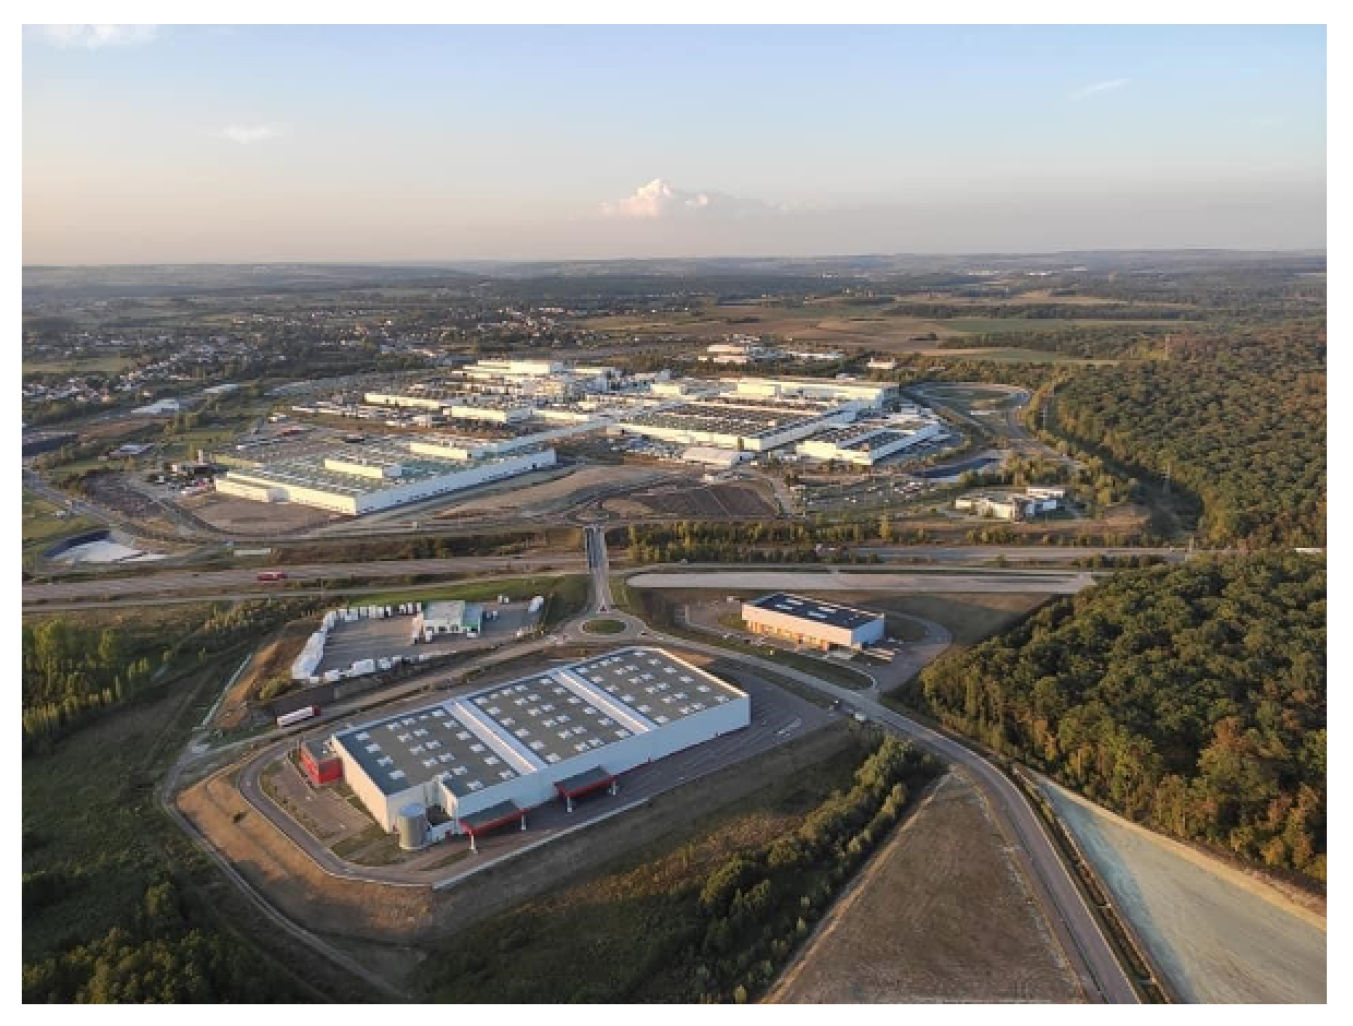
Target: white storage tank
<point>412,826</point>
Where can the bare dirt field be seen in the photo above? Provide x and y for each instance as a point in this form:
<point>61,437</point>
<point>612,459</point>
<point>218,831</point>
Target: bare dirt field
<point>697,501</point>
<point>1218,934</point>
<point>242,516</point>
<point>940,914</point>
<point>970,618</point>
<point>272,659</point>
<point>556,495</point>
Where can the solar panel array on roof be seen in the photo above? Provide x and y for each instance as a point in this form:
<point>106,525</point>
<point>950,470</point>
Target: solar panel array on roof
<point>817,611</point>
<point>549,718</point>
<point>655,685</point>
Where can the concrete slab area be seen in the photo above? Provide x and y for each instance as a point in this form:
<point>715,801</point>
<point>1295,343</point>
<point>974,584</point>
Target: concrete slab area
<point>1217,934</point>
<point>1052,583</point>
<point>369,638</point>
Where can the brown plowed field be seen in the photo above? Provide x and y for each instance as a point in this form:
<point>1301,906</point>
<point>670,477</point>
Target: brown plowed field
<point>941,914</point>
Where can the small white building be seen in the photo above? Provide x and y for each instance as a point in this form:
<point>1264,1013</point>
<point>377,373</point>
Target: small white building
<point>455,617</point>
<point>813,622</point>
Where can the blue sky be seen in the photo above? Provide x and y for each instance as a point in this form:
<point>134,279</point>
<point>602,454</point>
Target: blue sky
<point>273,143</point>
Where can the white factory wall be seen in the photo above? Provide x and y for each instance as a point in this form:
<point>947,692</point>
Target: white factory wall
<point>810,628</point>
<point>230,485</point>
<point>530,790</point>
<point>867,458</point>
<point>536,781</point>
<point>247,486</point>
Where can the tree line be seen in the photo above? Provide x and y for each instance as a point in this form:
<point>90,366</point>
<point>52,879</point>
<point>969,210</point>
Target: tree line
<point>1190,698</point>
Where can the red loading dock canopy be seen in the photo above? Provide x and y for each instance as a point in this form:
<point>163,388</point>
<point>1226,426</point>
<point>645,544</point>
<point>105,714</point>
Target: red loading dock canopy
<point>585,783</point>
<point>492,818</point>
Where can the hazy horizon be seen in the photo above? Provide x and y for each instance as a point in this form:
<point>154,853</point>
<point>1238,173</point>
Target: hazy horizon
<point>356,145</point>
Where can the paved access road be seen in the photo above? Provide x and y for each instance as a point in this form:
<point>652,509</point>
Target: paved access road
<point>230,581</point>
<point>1086,947</point>
<point>1014,553</point>
<point>1051,582</point>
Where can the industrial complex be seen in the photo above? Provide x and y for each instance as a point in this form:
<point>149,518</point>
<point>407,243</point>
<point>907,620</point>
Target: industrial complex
<point>1035,501</point>
<point>495,419</point>
<point>813,622</point>
<point>482,760</point>
<point>870,443</point>
<point>375,475</point>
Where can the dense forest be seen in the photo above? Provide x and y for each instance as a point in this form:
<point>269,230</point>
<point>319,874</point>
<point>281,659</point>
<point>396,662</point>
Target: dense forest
<point>1239,421</point>
<point>1190,698</point>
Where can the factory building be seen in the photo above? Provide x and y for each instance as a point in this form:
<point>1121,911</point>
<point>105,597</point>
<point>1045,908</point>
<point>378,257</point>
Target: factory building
<point>356,479</point>
<point>867,444</point>
<point>1035,500</point>
<point>806,621</point>
<point>869,393</point>
<point>456,617</point>
<point>320,761</point>
<point>750,424</point>
<point>482,760</point>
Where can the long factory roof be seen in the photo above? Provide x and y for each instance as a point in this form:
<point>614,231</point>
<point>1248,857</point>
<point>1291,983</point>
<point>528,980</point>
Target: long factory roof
<point>309,471</point>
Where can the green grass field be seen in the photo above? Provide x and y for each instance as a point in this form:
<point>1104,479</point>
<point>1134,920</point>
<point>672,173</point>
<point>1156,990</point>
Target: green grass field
<point>109,364</point>
<point>603,626</point>
<point>42,527</point>
<point>1020,325</point>
<point>565,596</point>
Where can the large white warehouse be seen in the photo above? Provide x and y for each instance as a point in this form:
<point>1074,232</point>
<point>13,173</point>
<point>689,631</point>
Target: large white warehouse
<point>866,444</point>
<point>869,393</point>
<point>487,757</point>
<point>355,479</point>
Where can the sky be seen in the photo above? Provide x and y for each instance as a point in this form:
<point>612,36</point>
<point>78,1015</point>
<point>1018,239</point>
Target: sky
<point>175,144</point>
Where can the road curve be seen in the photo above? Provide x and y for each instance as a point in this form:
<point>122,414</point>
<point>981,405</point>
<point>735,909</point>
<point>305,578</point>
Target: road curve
<point>1079,932</point>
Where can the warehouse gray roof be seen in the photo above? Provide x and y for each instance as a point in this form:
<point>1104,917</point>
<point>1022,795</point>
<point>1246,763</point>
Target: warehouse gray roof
<point>405,750</point>
<point>654,684</point>
<point>549,719</point>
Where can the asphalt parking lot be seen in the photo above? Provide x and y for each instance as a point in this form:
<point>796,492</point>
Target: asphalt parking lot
<point>373,638</point>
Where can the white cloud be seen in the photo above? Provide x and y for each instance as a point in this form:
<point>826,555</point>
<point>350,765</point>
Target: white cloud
<point>94,37</point>
<point>661,199</point>
<point>246,135</point>
<point>1095,88</point>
